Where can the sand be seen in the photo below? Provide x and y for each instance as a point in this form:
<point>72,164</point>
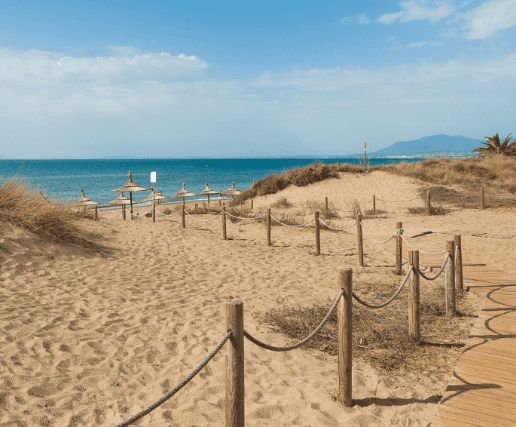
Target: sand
<point>91,338</point>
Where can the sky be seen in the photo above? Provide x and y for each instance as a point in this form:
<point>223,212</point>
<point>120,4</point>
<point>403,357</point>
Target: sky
<point>170,79</point>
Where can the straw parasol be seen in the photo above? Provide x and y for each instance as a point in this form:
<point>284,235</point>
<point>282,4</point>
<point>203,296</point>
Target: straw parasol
<point>207,192</point>
<point>121,200</point>
<point>183,193</point>
<point>153,197</point>
<point>130,187</point>
<point>231,191</point>
<point>84,201</point>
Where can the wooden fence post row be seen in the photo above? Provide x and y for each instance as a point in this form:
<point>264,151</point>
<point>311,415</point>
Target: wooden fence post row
<point>345,335</point>
<point>360,241</point>
<point>326,202</point>
<point>183,214</point>
<point>268,227</point>
<point>235,413</point>
<point>414,305</point>
<point>459,280</point>
<point>123,212</point>
<point>482,198</point>
<point>96,213</point>
<point>317,235</point>
<point>374,205</point>
<point>428,206</point>
<point>450,279</point>
<point>399,260</point>
<point>224,236</point>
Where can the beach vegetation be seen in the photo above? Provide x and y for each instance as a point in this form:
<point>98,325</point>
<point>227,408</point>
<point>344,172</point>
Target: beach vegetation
<point>494,147</point>
<point>54,219</point>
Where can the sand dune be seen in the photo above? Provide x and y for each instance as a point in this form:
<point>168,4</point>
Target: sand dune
<point>91,338</point>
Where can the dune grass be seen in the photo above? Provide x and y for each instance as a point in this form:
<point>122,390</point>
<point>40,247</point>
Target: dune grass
<point>54,219</point>
<point>380,337</point>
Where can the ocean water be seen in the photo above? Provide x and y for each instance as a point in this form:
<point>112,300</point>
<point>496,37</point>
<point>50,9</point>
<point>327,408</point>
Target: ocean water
<point>63,179</point>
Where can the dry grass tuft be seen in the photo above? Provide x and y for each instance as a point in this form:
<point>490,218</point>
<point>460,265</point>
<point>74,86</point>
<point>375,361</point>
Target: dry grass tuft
<point>299,176</point>
<point>315,206</point>
<point>380,337</point>
<point>281,203</point>
<point>53,219</point>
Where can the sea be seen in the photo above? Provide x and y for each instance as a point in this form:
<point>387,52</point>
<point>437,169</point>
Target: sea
<point>64,179</point>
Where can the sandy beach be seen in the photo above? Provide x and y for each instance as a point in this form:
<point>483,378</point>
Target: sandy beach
<point>93,337</point>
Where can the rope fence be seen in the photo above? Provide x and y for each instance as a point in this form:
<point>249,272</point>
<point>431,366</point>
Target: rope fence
<point>234,313</point>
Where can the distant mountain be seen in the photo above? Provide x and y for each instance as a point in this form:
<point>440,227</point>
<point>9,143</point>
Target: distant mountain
<point>428,146</point>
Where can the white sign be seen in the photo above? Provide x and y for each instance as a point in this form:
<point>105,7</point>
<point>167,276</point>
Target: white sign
<point>153,177</point>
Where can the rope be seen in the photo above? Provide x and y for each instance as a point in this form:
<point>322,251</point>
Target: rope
<point>338,229</point>
<point>423,252</point>
<point>342,210</point>
<point>204,220</point>
<point>109,217</point>
<point>376,241</point>
<point>397,201</point>
<point>178,387</point>
<point>256,217</point>
<point>441,270</point>
<point>288,225</point>
<point>391,298</point>
<point>300,343</point>
<point>169,214</point>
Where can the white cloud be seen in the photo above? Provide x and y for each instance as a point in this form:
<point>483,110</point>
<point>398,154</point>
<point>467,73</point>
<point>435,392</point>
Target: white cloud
<point>417,44</point>
<point>420,10</point>
<point>359,18</point>
<point>488,18</point>
<point>123,50</point>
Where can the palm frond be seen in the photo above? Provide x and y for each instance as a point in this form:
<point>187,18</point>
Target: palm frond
<point>505,143</point>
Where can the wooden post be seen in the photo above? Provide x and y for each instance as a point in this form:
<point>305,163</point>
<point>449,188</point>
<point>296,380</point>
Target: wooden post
<point>183,214</point>
<point>154,212</point>
<point>317,235</point>
<point>459,280</point>
<point>123,212</point>
<point>235,414</point>
<point>359,241</point>
<point>345,334</point>
<point>196,206</point>
<point>450,279</point>
<point>251,204</point>
<point>482,198</point>
<point>220,203</point>
<point>428,206</point>
<point>414,298</point>
<point>96,214</point>
<point>224,223</point>
<point>374,205</point>
<point>399,260</point>
<point>326,201</point>
<point>268,227</point>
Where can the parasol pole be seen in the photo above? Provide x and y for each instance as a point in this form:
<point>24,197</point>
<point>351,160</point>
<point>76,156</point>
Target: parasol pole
<point>153,180</point>
<point>131,198</point>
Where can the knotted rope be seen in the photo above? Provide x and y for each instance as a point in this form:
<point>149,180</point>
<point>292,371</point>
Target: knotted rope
<point>442,268</point>
<point>256,217</point>
<point>204,220</point>
<point>178,387</point>
<point>338,229</point>
<point>300,343</point>
<point>179,211</point>
<point>109,217</point>
<point>288,225</point>
<point>423,252</point>
<point>376,241</point>
<point>391,299</point>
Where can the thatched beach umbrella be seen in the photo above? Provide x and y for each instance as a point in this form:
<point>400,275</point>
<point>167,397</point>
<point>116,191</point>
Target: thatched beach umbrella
<point>207,192</point>
<point>130,187</point>
<point>122,200</point>
<point>183,193</point>
<point>231,191</point>
<point>84,201</point>
<point>153,197</point>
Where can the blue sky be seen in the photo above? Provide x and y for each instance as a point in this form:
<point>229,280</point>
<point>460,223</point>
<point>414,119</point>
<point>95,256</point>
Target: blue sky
<point>232,79</point>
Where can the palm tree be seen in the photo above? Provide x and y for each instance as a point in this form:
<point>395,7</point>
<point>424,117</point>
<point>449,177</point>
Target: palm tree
<point>493,146</point>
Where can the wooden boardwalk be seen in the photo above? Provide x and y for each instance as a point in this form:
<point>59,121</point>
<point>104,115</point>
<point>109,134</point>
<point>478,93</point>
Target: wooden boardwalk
<point>482,390</point>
